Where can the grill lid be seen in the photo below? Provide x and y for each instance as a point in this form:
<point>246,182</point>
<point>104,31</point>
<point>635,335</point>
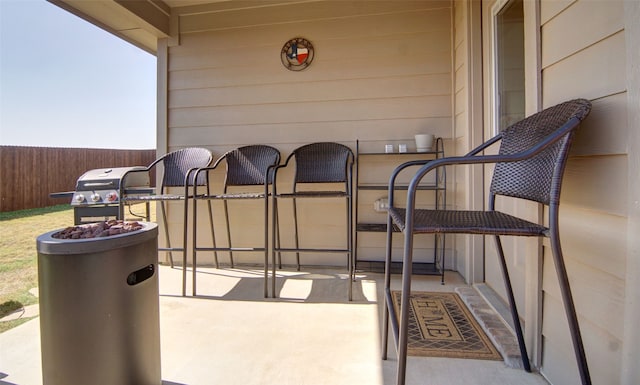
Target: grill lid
<point>103,185</point>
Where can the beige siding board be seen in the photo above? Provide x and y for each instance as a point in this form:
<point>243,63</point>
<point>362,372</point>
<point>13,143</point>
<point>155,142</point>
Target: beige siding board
<point>590,287</point>
<point>591,73</point>
<point>597,183</point>
<point>277,74</point>
<point>398,47</point>
<point>388,87</point>
<point>356,29</point>
<point>272,71</point>
<point>377,132</point>
<point>336,50</point>
<point>326,111</point>
<point>595,238</point>
<point>295,13</point>
<point>604,132</point>
<point>597,20</point>
<point>559,362</point>
<point>551,8</point>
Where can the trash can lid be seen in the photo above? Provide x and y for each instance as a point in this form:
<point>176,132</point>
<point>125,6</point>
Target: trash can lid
<point>47,244</point>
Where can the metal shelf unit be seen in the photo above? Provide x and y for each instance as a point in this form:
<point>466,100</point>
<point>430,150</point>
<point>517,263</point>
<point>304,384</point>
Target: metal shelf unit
<point>437,185</point>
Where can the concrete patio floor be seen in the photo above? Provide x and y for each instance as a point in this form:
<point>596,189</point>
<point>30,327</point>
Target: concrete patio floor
<point>230,334</point>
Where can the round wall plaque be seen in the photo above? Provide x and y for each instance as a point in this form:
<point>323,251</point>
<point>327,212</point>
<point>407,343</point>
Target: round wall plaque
<point>297,54</point>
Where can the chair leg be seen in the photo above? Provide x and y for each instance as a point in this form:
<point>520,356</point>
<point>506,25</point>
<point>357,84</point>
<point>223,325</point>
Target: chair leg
<point>512,305</point>
<point>185,226</point>
<point>403,333</point>
<point>276,222</point>
<point>295,223</point>
<point>275,241</point>
<point>213,234</point>
<point>166,233</point>
<point>387,287</point>
<point>572,318</point>
<point>194,249</point>
<point>350,261</point>
<point>226,216</point>
<point>266,244</point>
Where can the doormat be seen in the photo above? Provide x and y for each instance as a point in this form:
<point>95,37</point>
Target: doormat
<point>445,328</point>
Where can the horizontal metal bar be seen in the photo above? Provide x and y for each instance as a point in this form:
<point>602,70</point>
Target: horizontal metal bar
<point>229,249</point>
<point>229,197</point>
<point>282,250</point>
<point>170,249</point>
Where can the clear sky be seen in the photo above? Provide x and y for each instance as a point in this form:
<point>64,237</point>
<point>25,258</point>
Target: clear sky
<point>67,83</point>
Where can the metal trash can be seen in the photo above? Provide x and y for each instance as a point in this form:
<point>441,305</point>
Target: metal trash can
<point>99,309</point>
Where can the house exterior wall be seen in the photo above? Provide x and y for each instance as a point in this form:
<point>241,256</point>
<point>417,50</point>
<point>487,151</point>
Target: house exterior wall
<point>381,73</point>
<point>575,49</point>
<point>588,61</point>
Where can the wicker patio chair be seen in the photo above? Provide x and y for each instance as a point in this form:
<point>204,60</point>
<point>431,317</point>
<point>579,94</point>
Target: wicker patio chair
<point>530,165</point>
<point>316,163</point>
<point>245,166</point>
<point>178,170</point>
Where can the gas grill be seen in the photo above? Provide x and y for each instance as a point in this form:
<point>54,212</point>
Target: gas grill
<point>99,192</point>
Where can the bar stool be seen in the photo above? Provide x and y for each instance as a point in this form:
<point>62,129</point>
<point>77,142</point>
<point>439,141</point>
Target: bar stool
<point>316,163</point>
<point>178,170</point>
<point>245,166</point>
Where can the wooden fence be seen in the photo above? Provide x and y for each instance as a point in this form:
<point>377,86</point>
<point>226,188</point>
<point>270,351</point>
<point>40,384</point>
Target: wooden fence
<point>29,174</point>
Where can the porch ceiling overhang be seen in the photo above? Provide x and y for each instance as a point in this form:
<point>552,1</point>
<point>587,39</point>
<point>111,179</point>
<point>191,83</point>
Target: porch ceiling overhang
<point>140,22</point>
<point>143,22</point>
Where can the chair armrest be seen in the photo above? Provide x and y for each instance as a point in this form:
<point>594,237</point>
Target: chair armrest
<point>398,170</point>
<point>274,173</point>
<point>205,169</point>
<point>484,159</point>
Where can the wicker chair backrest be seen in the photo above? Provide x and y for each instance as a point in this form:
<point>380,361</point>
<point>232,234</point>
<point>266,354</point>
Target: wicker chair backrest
<point>177,163</point>
<point>248,165</point>
<point>324,162</point>
<point>538,178</point>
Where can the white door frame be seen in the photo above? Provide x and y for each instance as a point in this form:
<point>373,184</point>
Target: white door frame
<point>532,311</point>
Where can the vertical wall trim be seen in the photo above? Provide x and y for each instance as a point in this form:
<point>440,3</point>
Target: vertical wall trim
<point>533,94</point>
<point>452,177</point>
<point>631,348</point>
<point>475,264</point>
<point>162,96</point>
<point>162,57</point>
<point>174,28</point>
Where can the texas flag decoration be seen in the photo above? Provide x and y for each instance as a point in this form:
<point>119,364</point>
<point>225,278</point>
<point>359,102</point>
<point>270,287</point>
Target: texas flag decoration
<point>297,54</point>
<point>302,54</point>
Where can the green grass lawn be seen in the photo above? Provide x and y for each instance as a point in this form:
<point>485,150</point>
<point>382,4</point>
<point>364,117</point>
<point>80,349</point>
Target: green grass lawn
<point>18,254</point>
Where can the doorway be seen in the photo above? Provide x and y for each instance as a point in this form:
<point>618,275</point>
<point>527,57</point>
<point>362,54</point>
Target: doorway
<point>505,93</point>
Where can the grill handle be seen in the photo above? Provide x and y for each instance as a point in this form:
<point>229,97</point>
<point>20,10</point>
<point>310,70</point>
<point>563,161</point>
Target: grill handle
<point>98,184</point>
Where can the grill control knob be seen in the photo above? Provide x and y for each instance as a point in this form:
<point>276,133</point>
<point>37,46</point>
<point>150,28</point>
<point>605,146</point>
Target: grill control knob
<point>112,196</point>
<point>79,198</point>
<point>95,197</point>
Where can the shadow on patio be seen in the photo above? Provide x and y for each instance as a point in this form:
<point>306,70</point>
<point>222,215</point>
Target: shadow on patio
<point>230,334</point>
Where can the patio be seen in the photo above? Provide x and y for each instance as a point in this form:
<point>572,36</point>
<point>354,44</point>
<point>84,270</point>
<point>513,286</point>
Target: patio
<point>230,334</point>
